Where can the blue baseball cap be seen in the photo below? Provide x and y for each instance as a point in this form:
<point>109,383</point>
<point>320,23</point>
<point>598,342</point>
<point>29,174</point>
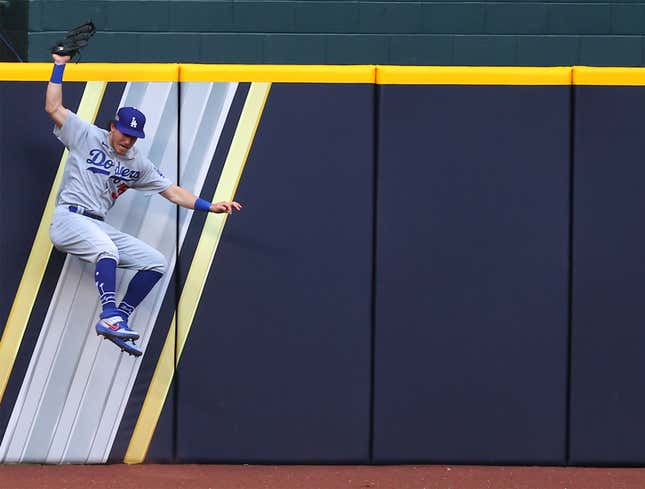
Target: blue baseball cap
<point>130,121</point>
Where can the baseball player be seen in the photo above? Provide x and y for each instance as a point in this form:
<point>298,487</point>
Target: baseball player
<point>101,166</point>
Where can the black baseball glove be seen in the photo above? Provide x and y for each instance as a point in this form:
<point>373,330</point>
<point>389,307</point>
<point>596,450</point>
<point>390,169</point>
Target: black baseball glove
<point>75,39</point>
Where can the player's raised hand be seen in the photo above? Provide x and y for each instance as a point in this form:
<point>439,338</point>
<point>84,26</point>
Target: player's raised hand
<point>60,60</point>
<point>228,207</point>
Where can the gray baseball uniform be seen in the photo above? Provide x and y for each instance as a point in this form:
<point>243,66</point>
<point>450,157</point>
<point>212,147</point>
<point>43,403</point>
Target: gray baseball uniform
<point>94,177</point>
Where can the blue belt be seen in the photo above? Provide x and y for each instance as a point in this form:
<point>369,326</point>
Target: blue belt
<point>80,210</point>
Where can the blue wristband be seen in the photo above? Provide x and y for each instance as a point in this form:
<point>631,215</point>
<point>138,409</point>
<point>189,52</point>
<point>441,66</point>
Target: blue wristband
<point>57,74</point>
<point>202,205</point>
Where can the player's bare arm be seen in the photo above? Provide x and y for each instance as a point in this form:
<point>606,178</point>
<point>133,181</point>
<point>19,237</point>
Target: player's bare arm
<point>180,196</point>
<point>54,96</point>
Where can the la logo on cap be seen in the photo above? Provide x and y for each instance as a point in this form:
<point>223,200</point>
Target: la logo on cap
<point>136,121</point>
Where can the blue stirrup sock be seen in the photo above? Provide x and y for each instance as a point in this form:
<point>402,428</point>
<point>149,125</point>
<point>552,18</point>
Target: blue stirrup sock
<point>105,279</point>
<point>138,288</point>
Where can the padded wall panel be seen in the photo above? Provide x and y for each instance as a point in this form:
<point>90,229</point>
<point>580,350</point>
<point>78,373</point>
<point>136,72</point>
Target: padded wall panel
<point>29,156</point>
<point>277,364</point>
<point>160,102</point>
<point>608,385</point>
<point>68,392</point>
<point>472,274</point>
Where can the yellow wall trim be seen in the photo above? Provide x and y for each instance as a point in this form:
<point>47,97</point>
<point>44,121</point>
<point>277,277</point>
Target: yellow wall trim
<point>107,72</point>
<point>586,75</point>
<point>472,75</point>
<point>278,73</point>
<point>367,74</point>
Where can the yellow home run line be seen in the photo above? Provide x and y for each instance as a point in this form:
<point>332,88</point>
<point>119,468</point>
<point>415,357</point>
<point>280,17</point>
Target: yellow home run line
<point>197,275</point>
<point>39,255</point>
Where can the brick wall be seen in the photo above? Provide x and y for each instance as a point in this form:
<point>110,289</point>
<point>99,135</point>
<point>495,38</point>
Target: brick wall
<point>349,32</point>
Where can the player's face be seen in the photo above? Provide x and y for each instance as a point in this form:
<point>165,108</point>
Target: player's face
<point>121,142</point>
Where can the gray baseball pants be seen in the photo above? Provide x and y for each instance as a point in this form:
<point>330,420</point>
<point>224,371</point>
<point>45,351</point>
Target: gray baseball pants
<point>91,240</point>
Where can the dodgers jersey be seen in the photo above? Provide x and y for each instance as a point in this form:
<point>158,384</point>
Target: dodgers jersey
<point>95,175</point>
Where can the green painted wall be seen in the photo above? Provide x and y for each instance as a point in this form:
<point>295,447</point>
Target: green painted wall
<point>348,32</point>
<point>13,28</point>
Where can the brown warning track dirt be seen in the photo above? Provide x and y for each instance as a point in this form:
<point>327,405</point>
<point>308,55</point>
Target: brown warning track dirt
<point>315,477</point>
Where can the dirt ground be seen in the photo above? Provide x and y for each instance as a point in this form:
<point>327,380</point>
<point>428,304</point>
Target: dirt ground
<point>315,477</point>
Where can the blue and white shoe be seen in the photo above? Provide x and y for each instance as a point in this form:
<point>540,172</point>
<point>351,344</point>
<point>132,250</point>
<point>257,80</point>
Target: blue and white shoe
<point>115,326</point>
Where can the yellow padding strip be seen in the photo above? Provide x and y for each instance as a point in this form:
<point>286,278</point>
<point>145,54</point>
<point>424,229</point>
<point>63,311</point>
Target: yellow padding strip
<point>39,255</point>
<point>197,275</point>
<point>584,75</point>
<point>107,72</point>
<point>471,75</point>
<point>25,71</point>
<point>385,75</point>
<point>278,73</point>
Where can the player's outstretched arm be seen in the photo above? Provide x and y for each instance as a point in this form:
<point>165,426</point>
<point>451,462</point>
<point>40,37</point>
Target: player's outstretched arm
<point>54,96</point>
<point>180,196</point>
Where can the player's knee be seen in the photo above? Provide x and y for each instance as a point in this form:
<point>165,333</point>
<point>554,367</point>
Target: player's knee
<point>158,263</point>
<point>108,252</point>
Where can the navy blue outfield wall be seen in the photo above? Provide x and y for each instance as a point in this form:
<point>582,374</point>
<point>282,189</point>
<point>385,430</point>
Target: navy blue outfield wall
<point>608,329</point>
<point>423,273</point>
<point>277,365</point>
<point>472,273</point>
